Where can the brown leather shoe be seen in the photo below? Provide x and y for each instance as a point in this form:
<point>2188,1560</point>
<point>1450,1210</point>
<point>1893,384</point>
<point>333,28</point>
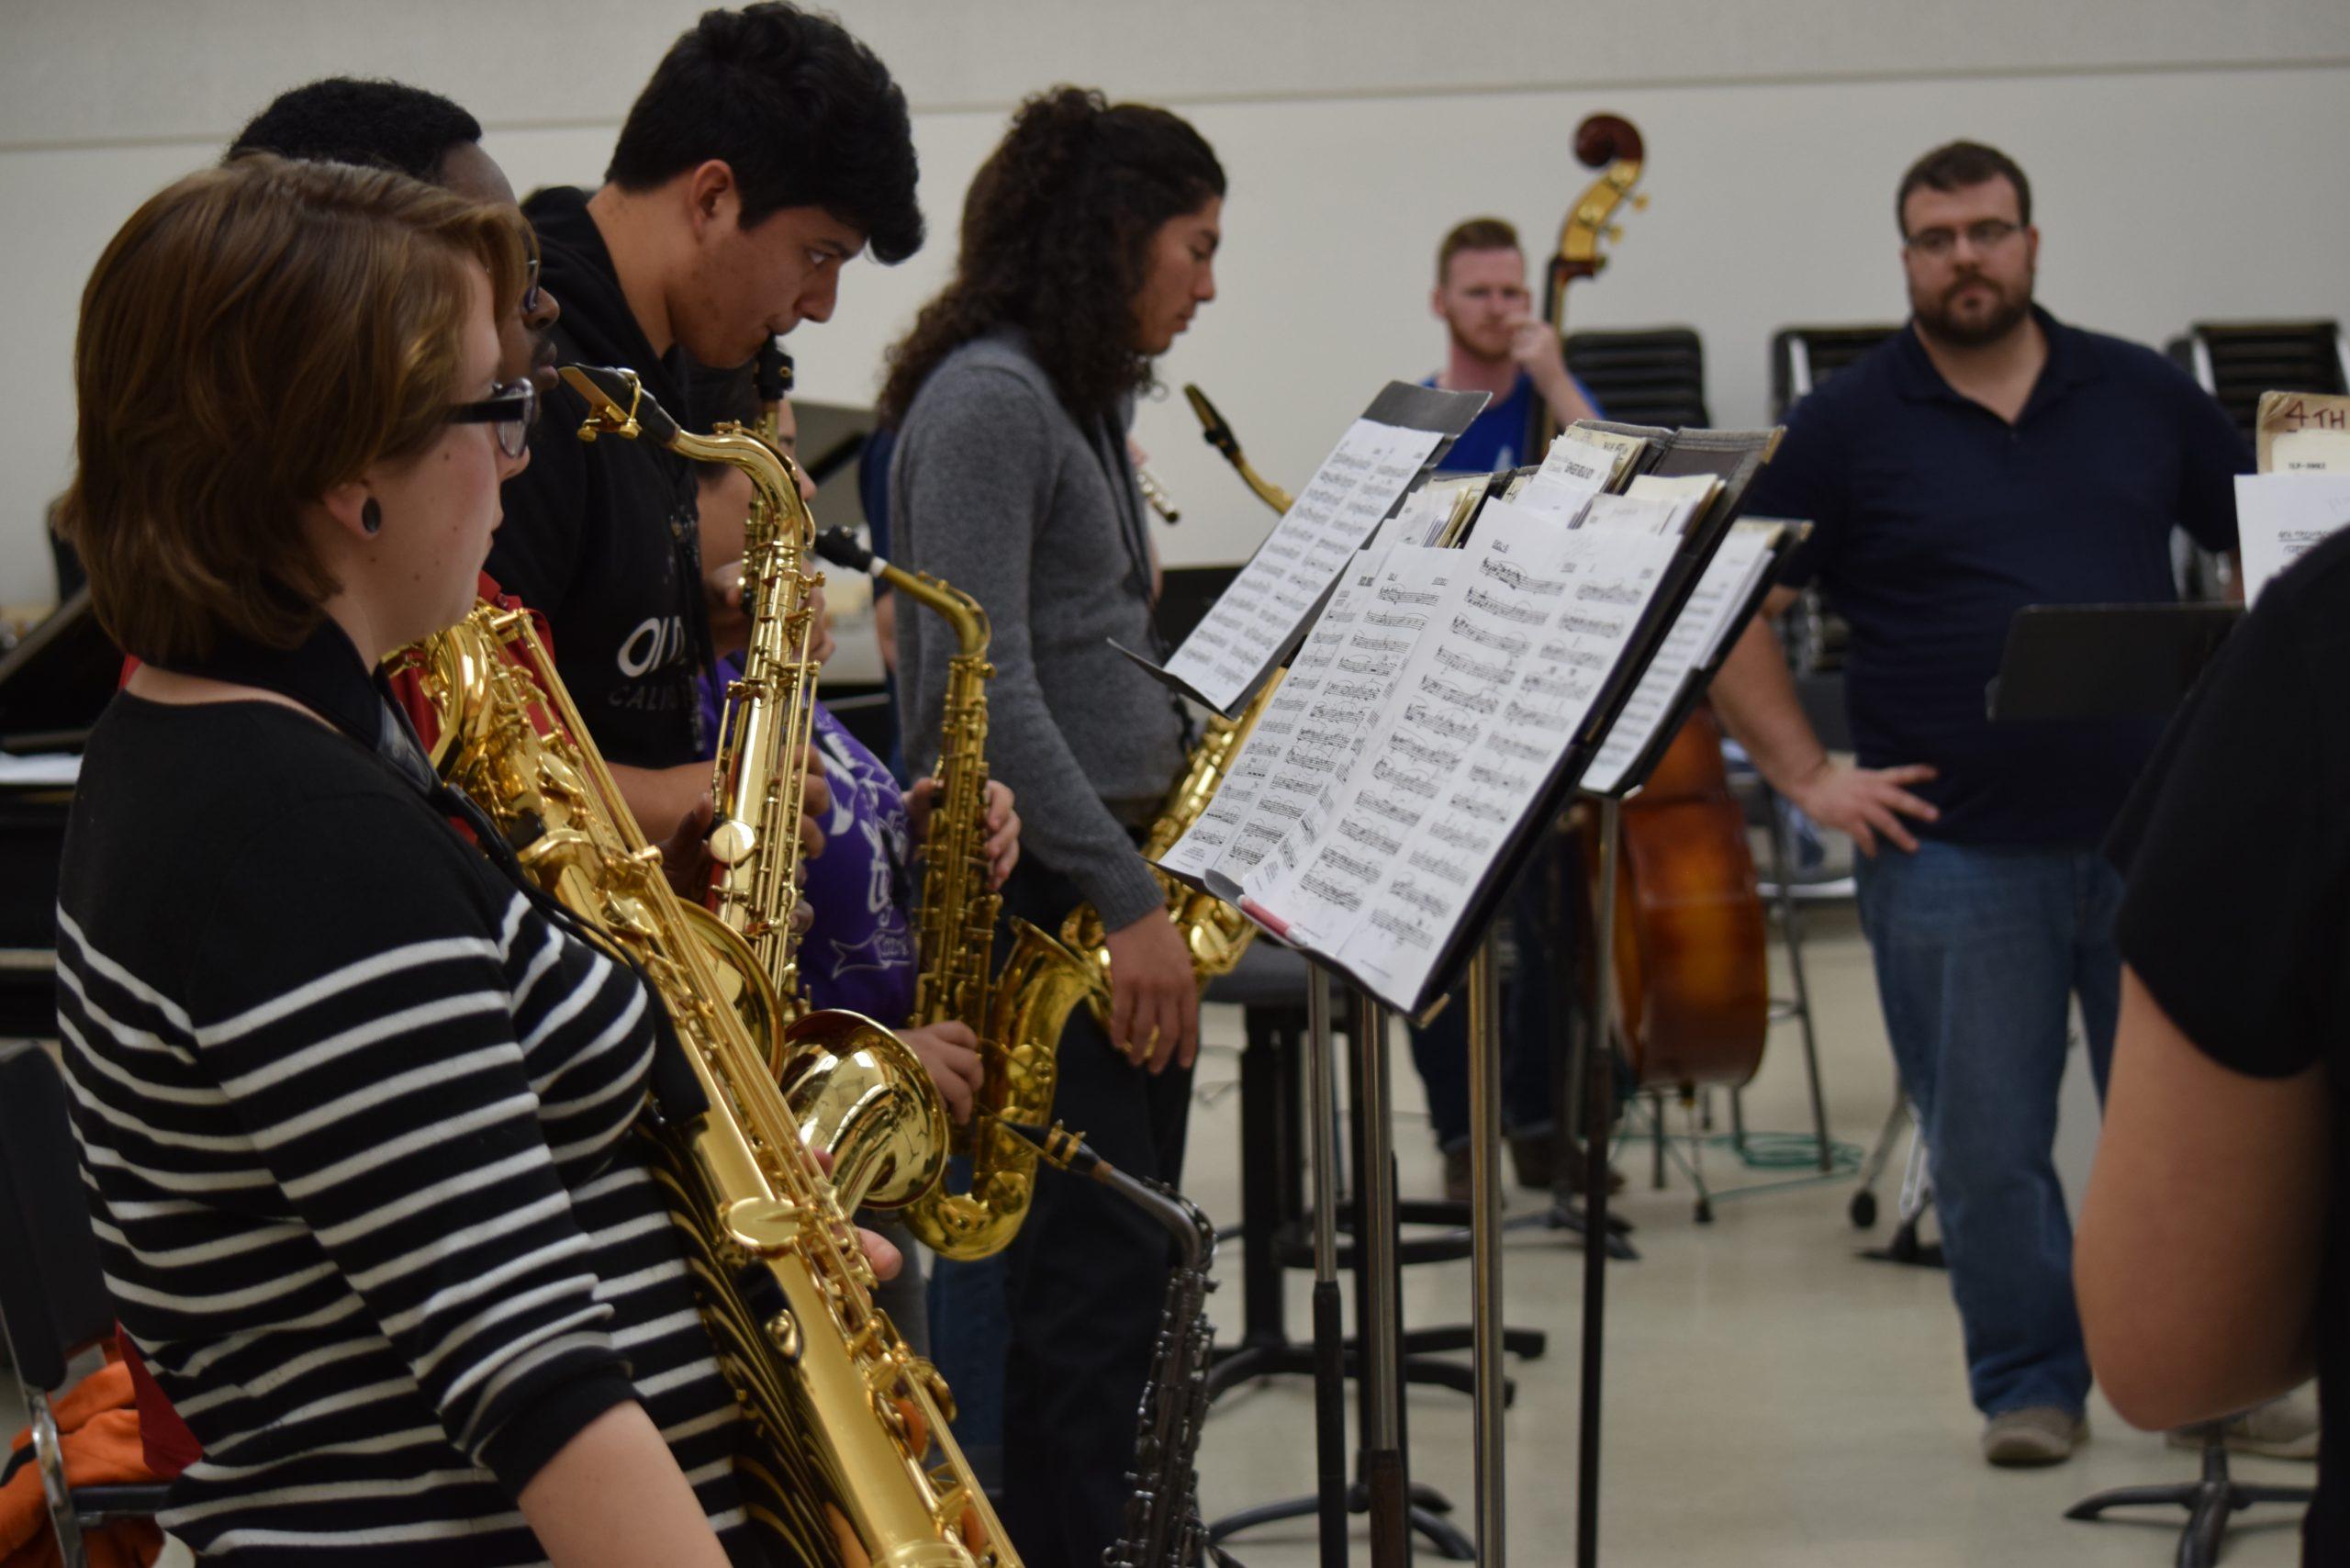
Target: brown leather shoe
<point>1536,1157</point>
<point>1456,1174</point>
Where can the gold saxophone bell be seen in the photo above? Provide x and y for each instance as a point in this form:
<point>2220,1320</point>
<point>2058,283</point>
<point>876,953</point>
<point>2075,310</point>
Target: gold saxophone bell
<point>844,1080</point>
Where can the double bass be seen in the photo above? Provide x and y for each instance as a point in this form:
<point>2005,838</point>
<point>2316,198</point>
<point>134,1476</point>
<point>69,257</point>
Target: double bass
<point>1692,981</point>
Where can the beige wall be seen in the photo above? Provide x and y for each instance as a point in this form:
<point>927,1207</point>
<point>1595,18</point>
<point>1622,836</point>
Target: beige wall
<point>2186,158</point>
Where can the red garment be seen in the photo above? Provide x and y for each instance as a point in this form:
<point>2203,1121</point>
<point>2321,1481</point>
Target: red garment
<point>100,1434</point>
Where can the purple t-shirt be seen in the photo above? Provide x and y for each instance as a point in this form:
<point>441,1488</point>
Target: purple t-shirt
<point>859,953</point>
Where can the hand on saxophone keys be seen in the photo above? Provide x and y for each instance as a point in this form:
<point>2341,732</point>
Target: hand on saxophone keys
<point>1002,844</point>
<point>1154,995</point>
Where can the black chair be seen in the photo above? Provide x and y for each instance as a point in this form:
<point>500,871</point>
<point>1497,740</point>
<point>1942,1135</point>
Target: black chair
<point>1651,377</point>
<point>1803,357</point>
<point>53,1302</point>
<point>2237,361</point>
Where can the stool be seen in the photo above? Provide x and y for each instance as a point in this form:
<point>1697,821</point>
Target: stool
<point>1276,1233</point>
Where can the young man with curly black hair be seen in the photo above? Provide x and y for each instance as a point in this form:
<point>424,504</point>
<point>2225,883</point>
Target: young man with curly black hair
<point>768,149</point>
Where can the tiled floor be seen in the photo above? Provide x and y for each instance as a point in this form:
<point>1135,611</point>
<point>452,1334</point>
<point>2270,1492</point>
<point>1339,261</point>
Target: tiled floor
<point>1770,1399</point>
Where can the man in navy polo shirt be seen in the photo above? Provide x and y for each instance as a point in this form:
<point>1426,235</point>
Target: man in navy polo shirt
<point>1987,458</point>
<point>1496,344</point>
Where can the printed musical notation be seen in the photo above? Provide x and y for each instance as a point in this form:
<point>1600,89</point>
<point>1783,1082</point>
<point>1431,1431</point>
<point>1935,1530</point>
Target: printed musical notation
<point>1430,706</point>
<point>1258,616</point>
<point>1480,712</point>
<point>1726,586</point>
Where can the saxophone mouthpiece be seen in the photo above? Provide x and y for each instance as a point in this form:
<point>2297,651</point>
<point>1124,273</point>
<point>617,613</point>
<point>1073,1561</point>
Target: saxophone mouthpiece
<point>1061,1147</point>
<point>771,373</point>
<point>842,549</point>
<point>1212,430</point>
<point>617,404</point>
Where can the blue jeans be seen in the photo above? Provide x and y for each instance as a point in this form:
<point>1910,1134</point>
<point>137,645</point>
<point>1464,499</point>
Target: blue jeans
<point>1977,951</point>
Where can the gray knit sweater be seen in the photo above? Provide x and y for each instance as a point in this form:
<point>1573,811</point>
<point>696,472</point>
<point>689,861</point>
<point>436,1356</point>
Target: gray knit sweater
<point>995,488</point>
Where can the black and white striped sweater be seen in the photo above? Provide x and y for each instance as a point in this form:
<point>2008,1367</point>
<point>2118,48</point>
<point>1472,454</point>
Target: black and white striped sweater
<point>354,1123</point>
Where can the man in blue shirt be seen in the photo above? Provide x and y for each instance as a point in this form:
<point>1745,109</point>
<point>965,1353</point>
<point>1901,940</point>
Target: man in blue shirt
<point>1987,458</point>
<point>1497,344</point>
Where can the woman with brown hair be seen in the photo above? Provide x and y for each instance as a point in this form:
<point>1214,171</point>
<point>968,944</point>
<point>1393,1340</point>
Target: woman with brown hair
<point>1089,242</point>
<point>352,1109</point>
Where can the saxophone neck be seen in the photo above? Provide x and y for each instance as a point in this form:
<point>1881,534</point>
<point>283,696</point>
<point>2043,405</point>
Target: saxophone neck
<point>958,609</point>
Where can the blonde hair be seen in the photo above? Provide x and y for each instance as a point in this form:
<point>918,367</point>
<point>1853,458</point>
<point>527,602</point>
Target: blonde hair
<point>253,337</point>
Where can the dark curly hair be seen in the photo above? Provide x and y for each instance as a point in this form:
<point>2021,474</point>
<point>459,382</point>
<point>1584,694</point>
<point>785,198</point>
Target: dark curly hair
<point>802,111</point>
<point>1057,231</point>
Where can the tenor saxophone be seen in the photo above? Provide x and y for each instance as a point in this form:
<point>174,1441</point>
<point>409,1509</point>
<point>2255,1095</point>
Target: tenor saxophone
<point>1017,1019</point>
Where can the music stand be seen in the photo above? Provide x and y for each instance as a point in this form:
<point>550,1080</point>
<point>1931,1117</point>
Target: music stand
<point>2129,661</point>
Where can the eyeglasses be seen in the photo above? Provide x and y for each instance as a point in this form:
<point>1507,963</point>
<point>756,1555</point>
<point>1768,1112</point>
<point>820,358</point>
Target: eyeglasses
<point>1989,234</point>
<point>511,407</point>
<point>531,284</point>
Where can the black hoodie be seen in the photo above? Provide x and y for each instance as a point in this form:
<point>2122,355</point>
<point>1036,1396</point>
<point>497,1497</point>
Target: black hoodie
<point>600,537</point>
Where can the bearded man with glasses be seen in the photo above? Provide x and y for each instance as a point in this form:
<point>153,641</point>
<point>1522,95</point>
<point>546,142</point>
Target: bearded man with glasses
<point>1987,457</point>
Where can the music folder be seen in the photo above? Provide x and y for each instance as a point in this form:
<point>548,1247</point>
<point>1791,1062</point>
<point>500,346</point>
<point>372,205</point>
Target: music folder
<point>2104,661</point>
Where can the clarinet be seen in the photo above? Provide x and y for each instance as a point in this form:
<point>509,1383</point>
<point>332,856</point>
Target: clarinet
<point>1162,1527</point>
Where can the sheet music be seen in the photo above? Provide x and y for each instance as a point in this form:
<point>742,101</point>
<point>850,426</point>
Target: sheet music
<point>2280,516</point>
<point>1709,616</point>
<point>1256,618</point>
<point>1624,449</point>
<point>1576,638</point>
<point>2303,432</point>
<point>1686,494</point>
<point>1574,471</point>
<point>1317,762</point>
<point>1232,809</point>
<point>1522,629</point>
<point>1636,514</point>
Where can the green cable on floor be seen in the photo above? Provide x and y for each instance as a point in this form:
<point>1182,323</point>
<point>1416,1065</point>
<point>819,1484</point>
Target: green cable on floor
<point>1762,1151</point>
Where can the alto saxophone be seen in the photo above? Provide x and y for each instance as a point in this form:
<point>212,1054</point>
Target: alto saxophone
<point>1018,1018</point>
<point>843,1417</point>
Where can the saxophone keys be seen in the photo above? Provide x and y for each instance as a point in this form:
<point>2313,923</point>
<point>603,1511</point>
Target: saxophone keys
<point>763,1227</point>
<point>783,1333</point>
<point>733,842</point>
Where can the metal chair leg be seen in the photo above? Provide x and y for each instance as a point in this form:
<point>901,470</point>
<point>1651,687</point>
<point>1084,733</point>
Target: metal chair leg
<point>48,1453</point>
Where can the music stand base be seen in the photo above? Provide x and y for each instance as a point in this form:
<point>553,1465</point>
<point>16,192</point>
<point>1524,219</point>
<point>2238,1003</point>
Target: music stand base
<point>1249,1361</point>
<point>1569,1217</point>
<point>1427,1510</point>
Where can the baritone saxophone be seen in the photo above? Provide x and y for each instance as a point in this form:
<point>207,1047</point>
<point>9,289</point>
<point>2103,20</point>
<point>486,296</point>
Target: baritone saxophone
<point>1017,1016</point>
<point>847,1460</point>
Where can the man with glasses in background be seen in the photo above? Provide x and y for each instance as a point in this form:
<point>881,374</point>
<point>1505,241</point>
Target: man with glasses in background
<point>1987,457</point>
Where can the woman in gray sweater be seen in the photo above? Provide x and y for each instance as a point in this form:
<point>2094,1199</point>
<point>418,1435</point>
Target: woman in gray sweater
<point>1089,240</point>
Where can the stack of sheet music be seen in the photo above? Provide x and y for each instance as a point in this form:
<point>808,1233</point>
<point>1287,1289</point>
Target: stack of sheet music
<point>1491,646</point>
